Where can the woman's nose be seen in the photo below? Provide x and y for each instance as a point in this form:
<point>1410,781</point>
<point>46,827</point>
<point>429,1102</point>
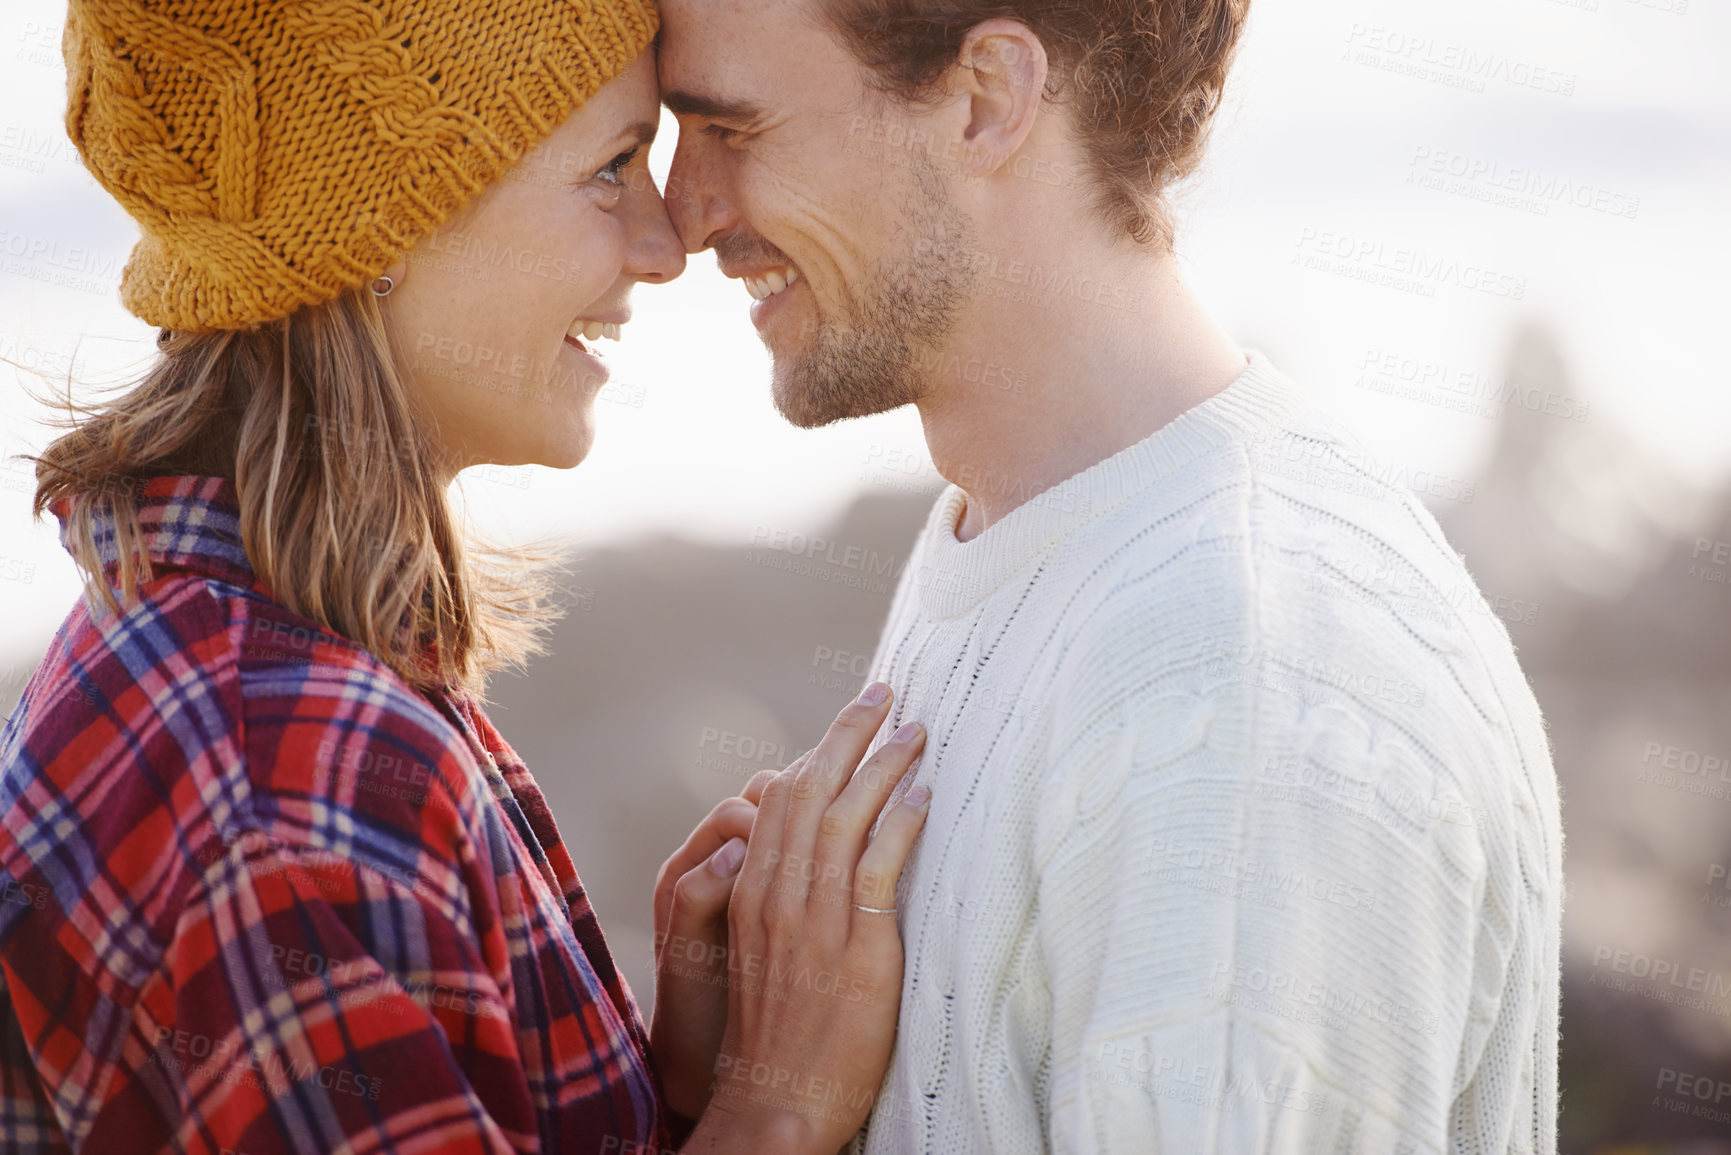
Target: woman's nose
<point>653,250</point>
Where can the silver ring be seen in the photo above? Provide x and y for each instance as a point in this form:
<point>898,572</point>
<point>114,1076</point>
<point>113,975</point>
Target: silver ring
<point>385,281</point>
<point>875,909</point>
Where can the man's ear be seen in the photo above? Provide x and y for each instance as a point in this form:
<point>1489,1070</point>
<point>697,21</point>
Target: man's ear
<point>1002,72</point>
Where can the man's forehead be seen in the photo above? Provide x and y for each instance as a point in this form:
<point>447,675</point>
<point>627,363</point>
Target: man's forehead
<point>724,40</point>
<point>740,22</point>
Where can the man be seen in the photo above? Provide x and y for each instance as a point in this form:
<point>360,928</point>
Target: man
<point>1245,834</point>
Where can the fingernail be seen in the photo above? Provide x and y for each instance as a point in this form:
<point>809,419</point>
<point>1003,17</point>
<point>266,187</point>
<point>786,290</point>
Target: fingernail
<point>907,733</point>
<point>874,694</point>
<point>725,862</point>
<point>919,795</point>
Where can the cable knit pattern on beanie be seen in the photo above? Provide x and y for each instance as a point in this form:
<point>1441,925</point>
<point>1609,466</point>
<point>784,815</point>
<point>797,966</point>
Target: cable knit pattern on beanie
<point>279,155</point>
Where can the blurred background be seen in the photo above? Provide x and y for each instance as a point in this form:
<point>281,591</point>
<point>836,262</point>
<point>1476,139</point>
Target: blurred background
<point>1554,176</point>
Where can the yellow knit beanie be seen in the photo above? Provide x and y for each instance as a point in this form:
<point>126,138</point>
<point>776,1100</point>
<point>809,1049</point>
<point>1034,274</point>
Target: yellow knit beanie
<point>279,153</point>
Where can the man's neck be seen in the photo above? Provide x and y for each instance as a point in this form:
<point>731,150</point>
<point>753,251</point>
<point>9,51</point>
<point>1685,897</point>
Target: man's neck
<point>1066,362</point>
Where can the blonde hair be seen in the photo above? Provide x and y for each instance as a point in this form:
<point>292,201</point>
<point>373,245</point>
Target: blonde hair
<point>342,512</point>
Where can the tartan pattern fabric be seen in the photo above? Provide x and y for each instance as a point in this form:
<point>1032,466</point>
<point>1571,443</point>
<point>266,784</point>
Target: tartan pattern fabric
<point>259,895</point>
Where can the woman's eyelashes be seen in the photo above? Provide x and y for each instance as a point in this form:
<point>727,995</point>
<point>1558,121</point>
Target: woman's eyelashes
<point>614,171</point>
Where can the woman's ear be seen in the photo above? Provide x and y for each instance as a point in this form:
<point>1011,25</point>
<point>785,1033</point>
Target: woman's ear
<point>1002,70</point>
<point>386,282</point>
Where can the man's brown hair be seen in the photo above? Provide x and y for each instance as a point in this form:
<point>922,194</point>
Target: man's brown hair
<point>1142,78</point>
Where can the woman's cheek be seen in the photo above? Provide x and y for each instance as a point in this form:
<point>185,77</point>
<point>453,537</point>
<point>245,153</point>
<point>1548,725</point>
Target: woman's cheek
<point>596,255</point>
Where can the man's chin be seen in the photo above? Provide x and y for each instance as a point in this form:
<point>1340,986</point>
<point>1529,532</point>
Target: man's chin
<point>800,397</point>
<point>796,407</point>
<point>805,405</point>
<point>839,383</point>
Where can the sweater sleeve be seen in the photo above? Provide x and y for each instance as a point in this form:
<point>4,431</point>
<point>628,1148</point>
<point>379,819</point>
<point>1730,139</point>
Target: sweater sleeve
<point>1257,921</point>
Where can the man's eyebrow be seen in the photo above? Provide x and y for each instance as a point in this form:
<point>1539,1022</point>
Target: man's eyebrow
<point>711,107</point>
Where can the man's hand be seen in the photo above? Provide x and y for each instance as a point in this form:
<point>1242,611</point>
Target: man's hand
<point>692,891</point>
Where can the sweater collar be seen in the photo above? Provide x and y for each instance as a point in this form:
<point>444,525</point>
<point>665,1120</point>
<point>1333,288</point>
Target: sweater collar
<point>952,577</point>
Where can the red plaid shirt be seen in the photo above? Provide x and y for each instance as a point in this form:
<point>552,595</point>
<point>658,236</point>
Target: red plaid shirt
<point>262,896</point>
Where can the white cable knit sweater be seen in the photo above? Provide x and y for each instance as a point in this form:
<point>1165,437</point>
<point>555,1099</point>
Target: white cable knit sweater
<point>1245,834</point>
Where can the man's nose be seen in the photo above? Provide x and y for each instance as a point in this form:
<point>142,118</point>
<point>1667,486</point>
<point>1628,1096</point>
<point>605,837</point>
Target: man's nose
<point>697,201</point>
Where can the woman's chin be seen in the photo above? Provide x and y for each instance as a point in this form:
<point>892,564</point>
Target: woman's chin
<point>563,442</point>
<point>570,452</point>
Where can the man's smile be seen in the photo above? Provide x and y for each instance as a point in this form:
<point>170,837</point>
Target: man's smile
<point>770,283</point>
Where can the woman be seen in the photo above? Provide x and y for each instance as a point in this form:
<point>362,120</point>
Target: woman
<point>275,882</point>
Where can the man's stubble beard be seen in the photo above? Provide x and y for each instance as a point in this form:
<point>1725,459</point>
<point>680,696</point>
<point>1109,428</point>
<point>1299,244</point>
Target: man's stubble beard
<point>907,307</point>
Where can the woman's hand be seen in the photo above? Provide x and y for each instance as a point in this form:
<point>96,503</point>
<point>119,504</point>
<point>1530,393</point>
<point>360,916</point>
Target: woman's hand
<point>814,980</point>
<point>691,893</point>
